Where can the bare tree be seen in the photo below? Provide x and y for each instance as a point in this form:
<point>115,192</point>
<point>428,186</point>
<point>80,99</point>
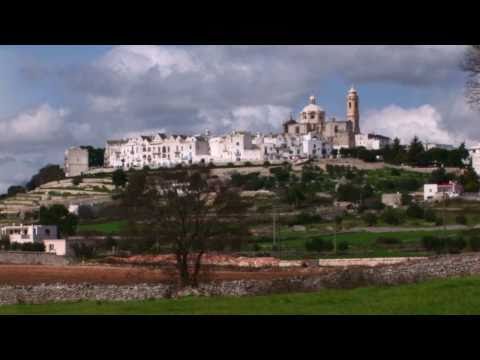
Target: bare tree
<point>471,65</point>
<point>192,217</point>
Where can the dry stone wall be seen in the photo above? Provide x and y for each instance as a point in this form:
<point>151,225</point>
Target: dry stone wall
<point>410,272</point>
<point>31,258</point>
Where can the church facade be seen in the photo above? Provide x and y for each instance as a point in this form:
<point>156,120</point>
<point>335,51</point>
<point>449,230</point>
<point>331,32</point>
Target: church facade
<point>312,120</point>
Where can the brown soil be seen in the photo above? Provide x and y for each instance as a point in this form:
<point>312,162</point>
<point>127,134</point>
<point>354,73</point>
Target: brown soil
<point>123,275</point>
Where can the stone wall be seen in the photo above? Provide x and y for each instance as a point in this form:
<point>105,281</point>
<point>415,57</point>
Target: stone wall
<point>31,258</point>
<point>410,272</point>
<point>367,261</point>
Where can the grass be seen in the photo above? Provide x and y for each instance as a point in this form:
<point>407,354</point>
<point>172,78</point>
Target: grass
<point>446,296</point>
<point>113,227</point>
<point>361,244</point>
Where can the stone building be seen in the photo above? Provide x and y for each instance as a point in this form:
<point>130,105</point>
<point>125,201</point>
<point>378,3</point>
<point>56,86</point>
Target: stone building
<point>76,161</point>
<point>312,119</point>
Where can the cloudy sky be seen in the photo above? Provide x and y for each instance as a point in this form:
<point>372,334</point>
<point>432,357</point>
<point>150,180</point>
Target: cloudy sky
<point>52,97</point>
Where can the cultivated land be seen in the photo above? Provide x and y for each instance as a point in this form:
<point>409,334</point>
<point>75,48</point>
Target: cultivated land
<point>125,275</point>
<point>448,296</point>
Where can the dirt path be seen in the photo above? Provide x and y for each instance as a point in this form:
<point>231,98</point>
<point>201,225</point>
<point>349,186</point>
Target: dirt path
<point>400,229</point>
<point>123,275</point>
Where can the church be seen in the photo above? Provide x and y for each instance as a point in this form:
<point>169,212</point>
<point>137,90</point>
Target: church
<point>312,120</point>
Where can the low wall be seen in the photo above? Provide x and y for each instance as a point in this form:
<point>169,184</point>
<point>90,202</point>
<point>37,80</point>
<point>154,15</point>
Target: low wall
<point>393,274</point>
<point>367,261</point>
<point>31,258</point>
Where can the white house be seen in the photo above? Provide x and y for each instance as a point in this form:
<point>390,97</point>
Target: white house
<point>29,233</point>
<point>57,246</point>
<point>451,189</point>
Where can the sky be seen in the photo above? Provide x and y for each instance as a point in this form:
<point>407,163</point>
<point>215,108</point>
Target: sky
<point>54,97</point>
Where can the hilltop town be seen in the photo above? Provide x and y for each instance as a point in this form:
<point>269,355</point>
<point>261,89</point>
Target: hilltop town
<point>310,136</point>
<point>317,199</point>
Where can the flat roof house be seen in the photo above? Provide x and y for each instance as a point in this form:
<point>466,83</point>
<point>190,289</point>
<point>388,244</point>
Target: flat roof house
<point>29,233</point>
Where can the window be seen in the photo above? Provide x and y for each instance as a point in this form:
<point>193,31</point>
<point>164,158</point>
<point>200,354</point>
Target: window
<point>349,104</point>
<point>51,247</point>
<point>47,232</point>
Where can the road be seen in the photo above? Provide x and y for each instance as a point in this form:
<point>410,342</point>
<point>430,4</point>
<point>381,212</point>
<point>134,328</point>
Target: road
<point>382,229</point>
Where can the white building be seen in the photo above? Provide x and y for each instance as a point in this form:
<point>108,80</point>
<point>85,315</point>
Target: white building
<point>29,233</point>
<point>475,156</point>
<point>287,147</point>
<point>451,189</point>
<point>57,246</point>
<point>428,146</point>
<point>235,147</point>
<point>372,141</point>
<point>158,150</point>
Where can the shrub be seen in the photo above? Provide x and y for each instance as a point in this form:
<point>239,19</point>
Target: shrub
<point>318,244</point>
<point>442,244</point>
<point>439,222</point>
<point>230,164</point>
<point>388,241</point>
<point>248,163</point>
<point>393,216</point>
<point>370,219</point>
<point>461,219</point>
<point>110,242</point>
<point>307,218</point>
<point>406,199</point>
<point>266,163</point>
<point>414,211</point>
<point>474,243</point>
<point>428,242</point>
<point>429,215</point>
<point>40,247</point>
<point>83,251</point>
<point>77,180</point>
<point>256,247</point>
<point>343,245</point>
<point>456,244</point>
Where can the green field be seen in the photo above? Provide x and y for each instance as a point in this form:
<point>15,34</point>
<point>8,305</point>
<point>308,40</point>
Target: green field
<point>360,243</point>
<point>447,296</point>
<point>113,227</point>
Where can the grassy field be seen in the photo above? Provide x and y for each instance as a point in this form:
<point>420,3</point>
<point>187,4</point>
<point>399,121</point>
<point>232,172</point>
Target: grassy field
<point>296,240</point>
<point>447,296</point>
<point>112,227</point>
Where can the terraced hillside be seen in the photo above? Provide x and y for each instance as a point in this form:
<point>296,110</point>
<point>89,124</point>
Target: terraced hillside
<point>89,191</point>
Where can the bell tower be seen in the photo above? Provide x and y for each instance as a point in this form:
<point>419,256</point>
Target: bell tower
<point>353,112</point>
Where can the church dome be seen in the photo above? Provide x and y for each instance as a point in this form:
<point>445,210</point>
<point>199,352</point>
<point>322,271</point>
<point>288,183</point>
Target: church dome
<point>312,106</point>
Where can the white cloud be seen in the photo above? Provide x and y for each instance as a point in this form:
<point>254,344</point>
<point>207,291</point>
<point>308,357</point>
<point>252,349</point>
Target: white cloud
<point>424,121</point>
<point>102,104</point>
<point>134,60</point>
<point>246,118</point>
<point>40,125</point>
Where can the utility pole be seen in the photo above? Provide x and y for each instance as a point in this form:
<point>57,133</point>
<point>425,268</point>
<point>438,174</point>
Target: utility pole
<point>274,228</point>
